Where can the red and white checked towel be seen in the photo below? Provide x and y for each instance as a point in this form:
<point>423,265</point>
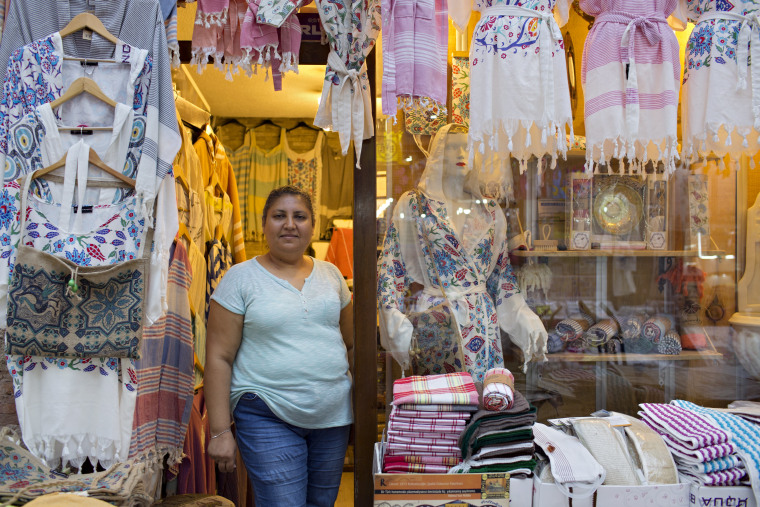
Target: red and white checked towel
<point>450,388</point>
<point>430,460</point>
<point>440,435</point>
<point>438,407</point>
<point>416,468</point>
<point>403,439</point>
<point>413,448</point>
<point>692,430</point>
<point>442,454</point>
<point>498,389</point>
<point>419,427</point>
<point>418,414</point>
<point>439,422</point>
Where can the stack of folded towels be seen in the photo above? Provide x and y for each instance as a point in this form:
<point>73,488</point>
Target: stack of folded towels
<point>428,416</point>
<point>499,437</point>
<point>703,452</point>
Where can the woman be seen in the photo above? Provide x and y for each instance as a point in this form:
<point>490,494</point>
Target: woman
<point>278,350</point>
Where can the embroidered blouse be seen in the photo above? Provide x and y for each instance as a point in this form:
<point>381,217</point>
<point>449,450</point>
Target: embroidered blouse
<point>720,106</point>
<point>518,44</point>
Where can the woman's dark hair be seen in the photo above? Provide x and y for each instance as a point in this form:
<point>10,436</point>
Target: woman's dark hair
<point>288,190</point>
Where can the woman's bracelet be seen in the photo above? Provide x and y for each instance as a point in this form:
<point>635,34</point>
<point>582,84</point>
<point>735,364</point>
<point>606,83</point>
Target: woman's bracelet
<point>220,434</point>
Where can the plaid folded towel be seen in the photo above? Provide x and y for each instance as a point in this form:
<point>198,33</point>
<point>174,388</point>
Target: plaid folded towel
<point>436,407</point>
<point>419,414</point>
<point>450,388</point>
<point>412,448</point>
<point>399,439</point>
<point>415,468</point>
<point>429,460</point>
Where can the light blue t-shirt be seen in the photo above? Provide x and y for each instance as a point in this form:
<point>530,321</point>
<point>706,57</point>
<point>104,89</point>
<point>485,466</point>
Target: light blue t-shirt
<point>292,354</point>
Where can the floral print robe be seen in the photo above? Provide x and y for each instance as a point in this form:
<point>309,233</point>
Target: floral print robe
<point>474,268</point>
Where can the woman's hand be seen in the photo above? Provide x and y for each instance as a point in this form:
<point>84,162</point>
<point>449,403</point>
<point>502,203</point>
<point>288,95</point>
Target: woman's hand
<point>223,450</point>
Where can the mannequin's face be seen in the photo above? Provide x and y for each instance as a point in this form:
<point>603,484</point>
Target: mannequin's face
<point>455,156</point>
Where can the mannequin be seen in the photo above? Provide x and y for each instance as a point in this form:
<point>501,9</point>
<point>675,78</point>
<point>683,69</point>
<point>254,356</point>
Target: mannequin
<point>447,222</point>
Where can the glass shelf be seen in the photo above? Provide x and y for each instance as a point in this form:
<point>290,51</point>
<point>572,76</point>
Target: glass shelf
<point>619,253</point>
<point>686,355</point>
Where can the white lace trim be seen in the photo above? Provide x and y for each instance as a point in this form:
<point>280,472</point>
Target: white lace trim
<point>209,19</point>
<point>633,155</point>
<point>502,132</point>
<point>697,148</point>
<point>75,449</point>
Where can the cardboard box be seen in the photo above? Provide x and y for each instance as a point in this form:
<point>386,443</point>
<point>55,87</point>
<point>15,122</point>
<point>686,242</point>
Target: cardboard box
<point>661,495</point>
<point>448,490</point>
<point>725,496</point>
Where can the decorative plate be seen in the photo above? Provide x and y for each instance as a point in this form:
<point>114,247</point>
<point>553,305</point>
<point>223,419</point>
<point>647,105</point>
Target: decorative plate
<point>618,209</point>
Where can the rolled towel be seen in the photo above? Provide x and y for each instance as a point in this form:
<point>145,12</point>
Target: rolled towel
<point>670,343</point>
<point>614,346</point>
<point>656,327</point>
<point>573,327</point>
<point>498,389</point>
<point>554,343</point>
<point>601,332</point>
<point>632,325</point>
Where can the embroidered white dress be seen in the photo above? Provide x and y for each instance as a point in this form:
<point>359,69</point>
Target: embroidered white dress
<point>631,76</point>
<point>720,101</point>
<point>423,242</point>
<point>519,96</point>
<point>71,409</point>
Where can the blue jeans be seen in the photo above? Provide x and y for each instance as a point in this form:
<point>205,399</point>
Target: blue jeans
<point>288,466</point>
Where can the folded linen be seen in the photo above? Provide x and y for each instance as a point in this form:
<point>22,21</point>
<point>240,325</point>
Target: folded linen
<point>450,388</point>
<point>692,430</point>
<point>421,440</point>
<point>422,427</point>
<point>415,468</point>
<point>500,438</point>
<point>401,452</point>
<point>438,422</point>
<point>506,460</point>
<point>522,468</point>
<point>412,448</point>
<point>731,477</point>
<point>430,460</point>
<point>498,389</point>
<point>521,413</point>
<point>419,414</point>
<point>716,465</point>
<point>511,449</point>
<point>701,455</point>
<point>436,407</point>
<point>744,435</point>
<point>417,434</point>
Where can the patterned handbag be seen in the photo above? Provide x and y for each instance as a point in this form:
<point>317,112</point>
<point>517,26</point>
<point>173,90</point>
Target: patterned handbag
<point>58,308</point>
<point>436,346</point>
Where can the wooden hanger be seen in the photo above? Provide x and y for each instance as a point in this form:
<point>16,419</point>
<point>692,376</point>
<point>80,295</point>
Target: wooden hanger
<point>83,85</point>
<point>88,21</point>
<point>180,178</point>
<point>183,233</point>
<point>305,125</point>
<point>217,185</point>
<point>267,122</point>
<point>95,160</point>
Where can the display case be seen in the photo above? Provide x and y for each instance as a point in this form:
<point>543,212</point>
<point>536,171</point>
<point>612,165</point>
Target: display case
<point>645,269</point>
